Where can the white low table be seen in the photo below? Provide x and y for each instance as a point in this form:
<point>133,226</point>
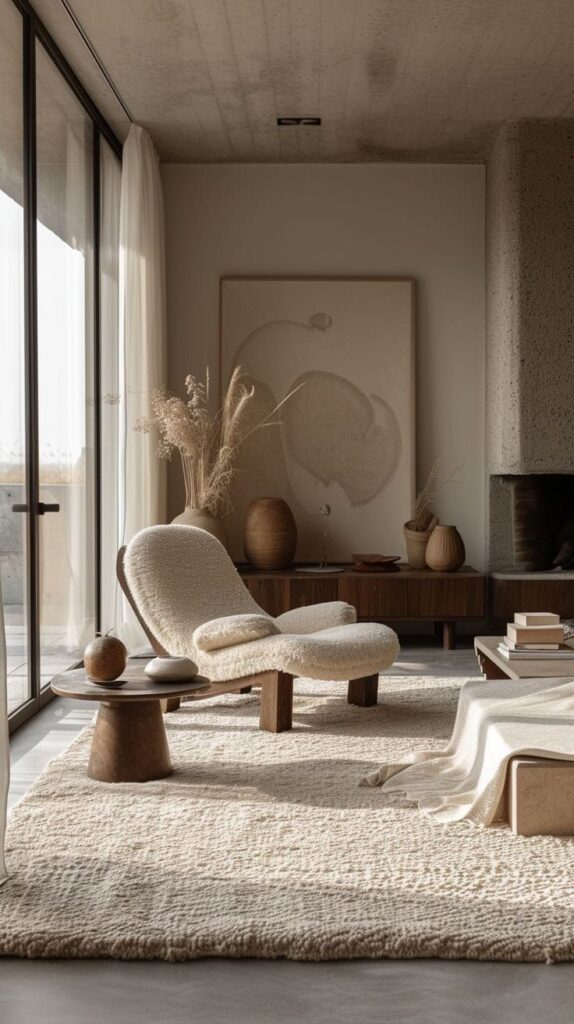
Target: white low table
<point>495,666</point>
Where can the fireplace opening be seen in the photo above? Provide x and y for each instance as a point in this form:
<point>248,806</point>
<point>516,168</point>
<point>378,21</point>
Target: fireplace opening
<point>532,522</point>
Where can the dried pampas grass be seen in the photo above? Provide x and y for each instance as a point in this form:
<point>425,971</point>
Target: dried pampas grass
<point>422,517</point>
<point>207,442</point>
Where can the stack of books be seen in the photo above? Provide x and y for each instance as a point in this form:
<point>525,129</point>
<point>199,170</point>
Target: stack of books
<point>535,636</point>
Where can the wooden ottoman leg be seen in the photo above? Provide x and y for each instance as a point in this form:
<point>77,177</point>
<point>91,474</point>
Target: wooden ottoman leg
<point>363,692</point>
<point>130,743</point>
<point>276,702</point>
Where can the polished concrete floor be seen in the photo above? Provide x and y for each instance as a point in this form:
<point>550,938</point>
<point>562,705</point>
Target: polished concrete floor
<point>260,991</point>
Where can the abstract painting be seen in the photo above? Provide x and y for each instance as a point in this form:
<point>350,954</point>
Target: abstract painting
<point>346,436</point>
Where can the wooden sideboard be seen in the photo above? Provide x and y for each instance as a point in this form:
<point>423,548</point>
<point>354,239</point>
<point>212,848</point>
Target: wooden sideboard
<point>411,595</point>
<point>538,592</point>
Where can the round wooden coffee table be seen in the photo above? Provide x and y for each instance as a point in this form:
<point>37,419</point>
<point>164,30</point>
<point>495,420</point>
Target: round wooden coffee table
<point>130,742</point>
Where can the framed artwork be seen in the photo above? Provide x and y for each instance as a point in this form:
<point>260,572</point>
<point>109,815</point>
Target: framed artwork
<point>346,436</point>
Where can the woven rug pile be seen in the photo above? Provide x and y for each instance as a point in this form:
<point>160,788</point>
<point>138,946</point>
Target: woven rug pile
<point>266,846</point>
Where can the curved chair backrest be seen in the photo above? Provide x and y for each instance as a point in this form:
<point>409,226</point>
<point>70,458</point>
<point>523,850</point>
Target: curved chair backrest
<point>121,574</point>
<point>180,577</point>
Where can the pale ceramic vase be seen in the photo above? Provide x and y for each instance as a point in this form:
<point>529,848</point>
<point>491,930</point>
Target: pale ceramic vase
<point>204,520</point>
<point>416,543</point>
<point>445,549</point>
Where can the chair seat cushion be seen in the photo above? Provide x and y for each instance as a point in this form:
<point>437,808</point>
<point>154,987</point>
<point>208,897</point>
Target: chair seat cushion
<point>230,630</point>
<point>342,652</point>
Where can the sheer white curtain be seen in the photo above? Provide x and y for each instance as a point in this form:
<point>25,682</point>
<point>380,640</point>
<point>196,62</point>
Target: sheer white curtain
<point>4,744</point>
<point>143,326</point>
<point>111,404</point>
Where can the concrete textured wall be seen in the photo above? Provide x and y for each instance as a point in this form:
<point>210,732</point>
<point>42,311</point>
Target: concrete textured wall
<point>425,221</point>
<point>530,299</point>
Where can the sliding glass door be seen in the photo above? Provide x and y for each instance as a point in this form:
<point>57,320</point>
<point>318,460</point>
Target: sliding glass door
<point>13,436</point>
<point>59,207</point>
<point>66,448</point>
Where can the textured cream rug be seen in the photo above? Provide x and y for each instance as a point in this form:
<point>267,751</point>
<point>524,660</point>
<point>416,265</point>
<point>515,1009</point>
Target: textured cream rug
<point>266,846</point>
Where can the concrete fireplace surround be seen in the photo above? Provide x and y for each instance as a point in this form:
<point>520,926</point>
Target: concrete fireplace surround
<point>530,313</point>
<point>530,299</point>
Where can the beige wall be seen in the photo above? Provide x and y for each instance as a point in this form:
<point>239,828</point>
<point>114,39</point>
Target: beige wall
<point>425,221</point>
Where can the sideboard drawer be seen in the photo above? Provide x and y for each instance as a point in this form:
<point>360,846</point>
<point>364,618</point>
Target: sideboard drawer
<point>309,589</point>
<point>376,597</point>
<point>269,592</point>
<point>436,598</point>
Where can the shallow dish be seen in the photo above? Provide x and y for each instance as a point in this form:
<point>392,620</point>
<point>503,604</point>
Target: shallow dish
<point>376,559</point>
<point>110,684</point>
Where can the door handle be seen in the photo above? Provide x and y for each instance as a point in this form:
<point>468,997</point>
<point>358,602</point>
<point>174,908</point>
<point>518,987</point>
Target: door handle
<point>42,508</point>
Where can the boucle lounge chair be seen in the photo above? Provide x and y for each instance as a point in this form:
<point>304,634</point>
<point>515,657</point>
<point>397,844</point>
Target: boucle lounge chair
<point>192,601</point>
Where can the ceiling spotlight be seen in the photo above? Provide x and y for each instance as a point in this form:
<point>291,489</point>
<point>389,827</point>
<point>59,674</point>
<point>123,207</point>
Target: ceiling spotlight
<point>282,122</point>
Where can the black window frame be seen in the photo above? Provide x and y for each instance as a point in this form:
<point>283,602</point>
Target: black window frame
<point>33,31</point>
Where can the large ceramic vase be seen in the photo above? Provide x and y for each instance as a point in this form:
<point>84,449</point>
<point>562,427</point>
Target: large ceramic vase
<point>270,534</point>
<point>445,549</point>
<point>416,543</point>
<point>203,519</point>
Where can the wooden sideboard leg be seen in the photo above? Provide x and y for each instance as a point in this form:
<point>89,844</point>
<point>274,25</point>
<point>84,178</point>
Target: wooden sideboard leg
<point>170,704</point>
<point>276,702</point>
<point>363,692</point>
<point>448,639</point>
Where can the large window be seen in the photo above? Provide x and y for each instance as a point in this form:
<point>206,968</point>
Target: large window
<point>13,440</point>
<point>59,209</point>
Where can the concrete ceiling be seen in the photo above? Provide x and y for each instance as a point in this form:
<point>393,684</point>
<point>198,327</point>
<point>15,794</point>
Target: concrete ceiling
<point>391,79</point>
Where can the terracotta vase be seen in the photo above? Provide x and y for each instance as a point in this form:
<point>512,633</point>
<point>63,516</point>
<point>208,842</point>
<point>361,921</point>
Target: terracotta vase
<point>203,519</point>
<point>445,549</point>
<point>270,534</point>
<point>416,542</point>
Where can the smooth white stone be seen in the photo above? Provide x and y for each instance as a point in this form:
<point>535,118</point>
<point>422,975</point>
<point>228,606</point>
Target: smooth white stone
<point>171,669</point>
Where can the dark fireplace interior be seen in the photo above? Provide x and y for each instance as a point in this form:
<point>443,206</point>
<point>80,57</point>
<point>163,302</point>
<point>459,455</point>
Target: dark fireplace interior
<point>540,530</point>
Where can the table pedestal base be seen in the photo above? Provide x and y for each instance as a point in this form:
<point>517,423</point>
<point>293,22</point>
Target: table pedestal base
<point>130,743</point>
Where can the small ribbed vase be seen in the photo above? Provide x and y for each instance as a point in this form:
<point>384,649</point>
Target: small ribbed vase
<point>416,543</point>
<point>270,534</point>
<point>445,549</point>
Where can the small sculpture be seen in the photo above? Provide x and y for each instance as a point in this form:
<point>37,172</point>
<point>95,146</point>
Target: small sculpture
<point>170,670</point>
<point>325,511</point>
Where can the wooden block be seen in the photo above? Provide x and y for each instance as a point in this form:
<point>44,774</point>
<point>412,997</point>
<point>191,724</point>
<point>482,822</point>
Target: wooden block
<point>541,796</point>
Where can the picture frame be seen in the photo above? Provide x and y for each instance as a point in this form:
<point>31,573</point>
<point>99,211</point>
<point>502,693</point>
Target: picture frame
<point>346,436</point>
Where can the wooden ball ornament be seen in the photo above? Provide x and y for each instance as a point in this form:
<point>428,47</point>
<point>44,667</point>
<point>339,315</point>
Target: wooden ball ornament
<point>105,659</point>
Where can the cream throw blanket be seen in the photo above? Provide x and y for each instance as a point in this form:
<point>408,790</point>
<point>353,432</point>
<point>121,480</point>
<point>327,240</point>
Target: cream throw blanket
<point>495,721</point>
